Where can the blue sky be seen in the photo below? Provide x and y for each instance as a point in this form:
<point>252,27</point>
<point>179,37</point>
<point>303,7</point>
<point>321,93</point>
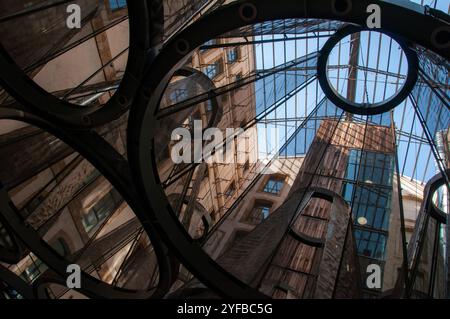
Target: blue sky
<point>415,158</point>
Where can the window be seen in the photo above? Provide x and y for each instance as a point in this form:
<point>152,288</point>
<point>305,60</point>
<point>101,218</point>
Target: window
<point>372,204</point>
<point>178,95</point>
<point>353,164</point>
<point>8,292</point>
<point>214,69</point>
<point>103,208</point>
<point>117,4</point>
<point>34,270</point>
<point>91,177</point>
<point>370,244</point>
<point>60,247</point>
<point>347,192</point>
<point>371,199</point>
<point>230,190</point>
<point>208,43</point>
<point>274,185</point>
<point>259,212</point>
<point>232,55</point>
<point>375,168</point>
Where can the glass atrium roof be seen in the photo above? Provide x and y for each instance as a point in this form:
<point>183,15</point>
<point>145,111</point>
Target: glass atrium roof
<point>120,148</point>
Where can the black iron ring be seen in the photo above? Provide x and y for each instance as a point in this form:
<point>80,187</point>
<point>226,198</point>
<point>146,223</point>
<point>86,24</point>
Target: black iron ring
<point>431,187</point>
<point>143,112</point>
<point>40,102</point>
<point>366,108</point>
<point>115,169</point>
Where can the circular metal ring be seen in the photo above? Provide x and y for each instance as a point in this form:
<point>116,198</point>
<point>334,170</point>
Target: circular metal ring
<point>431,188</point>
<point>208,85</point>
<point>359,108</point>
<point>144,110</point>
<point>44,281</point>
<point>99,153</point>
<point>37,100</point>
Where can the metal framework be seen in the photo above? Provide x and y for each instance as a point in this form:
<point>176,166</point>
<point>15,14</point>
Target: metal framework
<point>143,24</point>
<point>115,168</point>
<point>368,108</point>
<point>163,37</point>
<point>144,112</point>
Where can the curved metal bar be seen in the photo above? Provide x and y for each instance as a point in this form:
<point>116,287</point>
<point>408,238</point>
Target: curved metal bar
<point>11,255</point>
<point>216,114</point>
<point>237,14</point>
<point>167,124</point>
<point>330,196</point>
<point>366,108</point>
<point>115,169</point>
<point>307,240</point>
<point>141,51</point>
<point>272,231</point>
<point>208,86</point>
<point>15,282</point>
<point>432,186</point>
<point>43,282</point>
<point>199,208</point>
<point>428,210</point>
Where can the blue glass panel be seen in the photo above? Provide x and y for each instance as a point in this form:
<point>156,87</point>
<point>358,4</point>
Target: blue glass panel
<point>117,4</point>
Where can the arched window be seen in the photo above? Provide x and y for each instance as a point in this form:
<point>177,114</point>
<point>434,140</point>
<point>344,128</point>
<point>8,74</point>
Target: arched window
<point>102,209</point>
<point>60,247</point>
<point>259,212</point>
<point>274,185</point>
